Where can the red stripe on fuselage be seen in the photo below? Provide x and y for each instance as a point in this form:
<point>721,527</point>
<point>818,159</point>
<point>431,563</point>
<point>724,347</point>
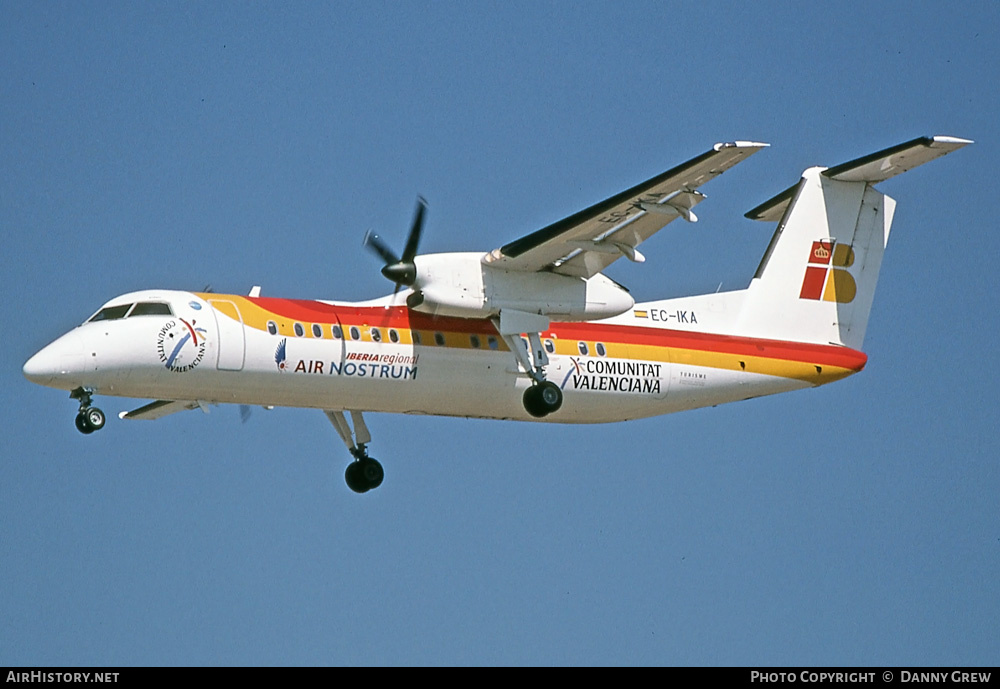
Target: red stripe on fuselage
<point>402,317</point>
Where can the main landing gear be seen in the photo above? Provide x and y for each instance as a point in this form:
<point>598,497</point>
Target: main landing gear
<point>88,419</point>
<point>543,397</point>
<point>364,473</point>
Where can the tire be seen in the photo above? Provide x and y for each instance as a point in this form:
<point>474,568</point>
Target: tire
<point>82,425</point>
<point>95,418</point>
<point>533,403</point>
<point>550,396</point>
<point>372,473</point>
<point>355,481</point>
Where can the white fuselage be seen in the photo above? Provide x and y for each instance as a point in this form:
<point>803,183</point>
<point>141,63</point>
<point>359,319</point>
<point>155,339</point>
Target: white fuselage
<point>658,358</point>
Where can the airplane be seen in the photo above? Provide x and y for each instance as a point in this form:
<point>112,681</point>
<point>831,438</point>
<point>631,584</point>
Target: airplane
<point>530,331</point>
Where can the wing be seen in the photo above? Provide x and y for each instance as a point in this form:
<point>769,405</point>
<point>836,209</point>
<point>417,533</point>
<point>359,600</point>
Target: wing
<point>585,243</point>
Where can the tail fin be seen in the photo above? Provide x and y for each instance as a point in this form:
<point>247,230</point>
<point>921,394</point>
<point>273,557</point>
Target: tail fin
<point>817,279</point>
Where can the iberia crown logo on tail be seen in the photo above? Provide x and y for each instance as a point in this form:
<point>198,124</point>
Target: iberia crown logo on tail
<point>825,277</point>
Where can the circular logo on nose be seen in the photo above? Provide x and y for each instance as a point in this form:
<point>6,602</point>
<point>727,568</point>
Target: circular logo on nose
<point>181,345</point>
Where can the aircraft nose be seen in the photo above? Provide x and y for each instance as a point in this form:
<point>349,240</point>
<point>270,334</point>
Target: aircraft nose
<point>43,367</point>
<point>58,364</point>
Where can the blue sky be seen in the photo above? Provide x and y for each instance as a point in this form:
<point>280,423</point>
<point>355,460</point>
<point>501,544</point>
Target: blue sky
<point>181,145</point>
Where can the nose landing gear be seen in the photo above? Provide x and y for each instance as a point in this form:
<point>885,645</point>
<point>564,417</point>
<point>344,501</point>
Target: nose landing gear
<point>88,419</point>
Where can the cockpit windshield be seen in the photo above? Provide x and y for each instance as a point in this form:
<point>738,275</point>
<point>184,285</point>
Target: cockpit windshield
<point>111,313</point>
<point>143,308</point>
<point>151,308</point>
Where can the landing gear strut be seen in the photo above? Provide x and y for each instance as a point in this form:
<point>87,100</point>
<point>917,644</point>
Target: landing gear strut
<point>364,473</point>
<point>88,419</point>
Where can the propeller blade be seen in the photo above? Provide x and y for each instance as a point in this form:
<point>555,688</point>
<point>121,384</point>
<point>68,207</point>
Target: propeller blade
<point>400,270</point>
<point>374,243</point>
<point>414,239</point>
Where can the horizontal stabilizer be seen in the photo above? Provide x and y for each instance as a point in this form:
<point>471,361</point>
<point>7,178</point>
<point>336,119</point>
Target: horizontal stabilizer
<point>158,409</point>
<point>880,166</point>
<point>872,169</point>
<point>772,209</point>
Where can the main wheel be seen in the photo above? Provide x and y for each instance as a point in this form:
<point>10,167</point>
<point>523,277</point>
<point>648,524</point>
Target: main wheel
<point>551,396</point>
<point>532,402</point>
<point>542,399</point>
<point>355,481</point>
<point>372,472</point>
<point>364,474</point>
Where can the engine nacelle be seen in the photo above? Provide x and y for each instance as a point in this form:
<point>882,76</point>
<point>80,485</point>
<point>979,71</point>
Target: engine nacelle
<point>459,284</point>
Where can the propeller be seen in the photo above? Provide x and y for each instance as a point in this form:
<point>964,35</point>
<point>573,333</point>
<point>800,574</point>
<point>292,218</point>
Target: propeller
<point>400,269</point>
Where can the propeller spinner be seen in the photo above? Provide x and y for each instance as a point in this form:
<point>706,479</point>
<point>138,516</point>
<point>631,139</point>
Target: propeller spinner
<point>400,269</point>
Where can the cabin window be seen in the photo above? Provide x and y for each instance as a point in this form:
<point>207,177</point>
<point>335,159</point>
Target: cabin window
<point>376,335</point>
<point>474,341</point>
<point>110,313</point>
<point>583,348</point>
<point>317,331</point>
<point>151,308</point>
<point>550,346</point>
<point>600,349</point>
<point>439,339</point>
<point>337,332</point>
<point>272,327</point>
<point>299,330</point>
<point>355,333</point>
<point>416,337</point>
<point>393,335</point>
<point>492,343</point>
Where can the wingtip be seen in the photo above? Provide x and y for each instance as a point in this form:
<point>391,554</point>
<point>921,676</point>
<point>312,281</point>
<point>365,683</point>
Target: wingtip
<point>951,140</point>
<point>740,144</point>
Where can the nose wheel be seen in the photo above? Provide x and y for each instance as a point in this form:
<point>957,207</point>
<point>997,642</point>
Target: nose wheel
<point>88,419</point>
